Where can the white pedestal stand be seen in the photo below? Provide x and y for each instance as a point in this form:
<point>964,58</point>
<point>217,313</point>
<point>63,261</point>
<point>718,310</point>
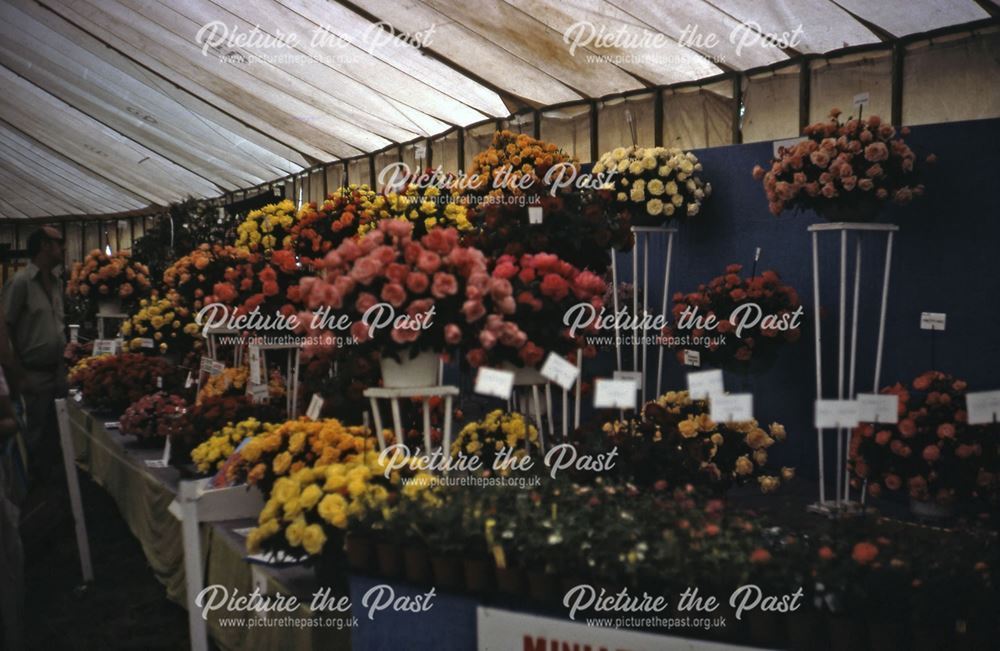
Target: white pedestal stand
<point>393,396</point>
<point>212,344</point>
<point>846,384</point>
<point>196,503</point>
<point>640,284</point>
<point>291,375</point>
<point>73,484</point>
<point>103,317</point>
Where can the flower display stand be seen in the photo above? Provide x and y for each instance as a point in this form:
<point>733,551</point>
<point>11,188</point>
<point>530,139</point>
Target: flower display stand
<point>847,352</point>
<point>197,503</point>
<point>640,285</point>
<point>212,344</point>
<point>292,363</point>
<point>393,395</point>
<point>107,319</point>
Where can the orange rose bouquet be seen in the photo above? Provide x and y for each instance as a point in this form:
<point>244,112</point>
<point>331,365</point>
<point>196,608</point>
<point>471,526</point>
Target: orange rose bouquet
<point>323,227</point>
<point>103,277</point>
<point>194,276</point>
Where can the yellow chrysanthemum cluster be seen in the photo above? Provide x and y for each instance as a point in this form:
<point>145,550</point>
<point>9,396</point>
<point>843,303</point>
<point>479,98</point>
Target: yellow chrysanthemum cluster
<point>297,444</point>
<point>304,504</point>
<point>268,228</point>
<point>212,454</point>
<point>233,381</point>
<point>163,322</point>
<point>499,429</point>
<point>427,205</point>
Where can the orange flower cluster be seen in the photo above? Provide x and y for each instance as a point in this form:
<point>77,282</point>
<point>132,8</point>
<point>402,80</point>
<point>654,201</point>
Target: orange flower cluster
<point>101,276</point>
<point>193,276</point>
<point>500,168</point>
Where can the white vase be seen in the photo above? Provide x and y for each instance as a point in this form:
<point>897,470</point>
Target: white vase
<point>419,371</point>
<point>524,376</point>
<point>111,306</point>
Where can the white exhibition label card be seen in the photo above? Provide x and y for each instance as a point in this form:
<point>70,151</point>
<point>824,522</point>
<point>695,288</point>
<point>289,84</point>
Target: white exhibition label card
<point>878,408</point>
<point>612,394</point>
<point>560,370</point>
<point>212,367</point>
<point>112,424</point>
<point>189,381</point>
<point>836,413</point>
<point>983,407</point>
<point>692,358</point>
<point>862,99</point>
<point>315,407</point>
<point>629,375</point>
<point>932,320</point>
<point>104,347</point>
<point>703,385</point>
<point>256,377</point>
<point>731,407</point>
<point>146,342</point>
<point>494,382</point>
<point>535,215</point>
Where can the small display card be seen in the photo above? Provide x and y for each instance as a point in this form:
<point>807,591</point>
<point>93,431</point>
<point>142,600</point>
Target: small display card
<point>535,215</point>
<point>692,358</point>
<point>836,413</point>
<point>494,382</point>
<point>731,407</point>
<point>610,394</point>
<point>933,320</point>
<point>560,370</point>
<point>877,408</point>
<point>635,376</point>
<point>703,385</point>
<point>315,407</point>
<point>983,407</point>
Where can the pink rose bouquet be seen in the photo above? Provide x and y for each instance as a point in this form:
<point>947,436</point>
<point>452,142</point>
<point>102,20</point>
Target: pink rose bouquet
<point>843,170</point>
<point>396,291</point>
<point>526,301</point>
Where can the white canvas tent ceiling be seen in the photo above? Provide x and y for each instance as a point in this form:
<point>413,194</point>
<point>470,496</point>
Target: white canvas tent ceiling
<point>113,105</point>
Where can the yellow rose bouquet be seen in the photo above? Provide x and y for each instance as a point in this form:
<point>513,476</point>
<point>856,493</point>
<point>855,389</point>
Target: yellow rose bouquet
<point>161,326</point>
<point>676,441</point>
<point>268,228</point>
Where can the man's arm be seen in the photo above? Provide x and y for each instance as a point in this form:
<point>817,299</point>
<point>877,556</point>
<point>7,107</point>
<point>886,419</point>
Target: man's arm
<point>14,296</point>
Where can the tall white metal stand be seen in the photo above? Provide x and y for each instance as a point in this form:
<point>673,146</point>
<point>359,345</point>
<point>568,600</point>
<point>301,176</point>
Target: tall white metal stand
<point>847,354</point>
<point>640,284</point>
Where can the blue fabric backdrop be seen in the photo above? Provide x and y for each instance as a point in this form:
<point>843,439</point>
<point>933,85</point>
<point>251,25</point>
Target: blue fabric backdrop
<point>942,262</point>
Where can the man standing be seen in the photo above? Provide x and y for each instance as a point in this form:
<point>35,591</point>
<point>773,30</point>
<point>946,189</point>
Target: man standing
<point>33,309</point>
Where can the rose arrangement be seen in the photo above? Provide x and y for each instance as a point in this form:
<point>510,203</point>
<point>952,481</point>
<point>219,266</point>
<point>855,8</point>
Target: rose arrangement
<point>424,207</point>
<point>295,445</point>
<point>267,284</point>
<point>487,437</point>
<point>193,277</point>
<point>526,298</point>
<point>211,454</point>
<point>676,440</point>
<point>151,418</point>
<point>323,227</point>
<point>110,383</point>
<point>843,169</point>
<point>423,281</point>
<point>268,228</point>
<point>232,381</point>
<point>732,296</point>
<point>101,276</point>
<point>654,184</point>
<point>579,226</point>
<point>511,156</point>
<point>932,453</point>
<point>160,326</point>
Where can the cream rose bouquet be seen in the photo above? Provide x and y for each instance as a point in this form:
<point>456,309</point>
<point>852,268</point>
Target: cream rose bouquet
<point>654,184</point>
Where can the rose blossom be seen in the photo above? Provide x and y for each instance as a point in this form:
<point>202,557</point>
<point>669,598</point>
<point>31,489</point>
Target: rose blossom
<point>359,331</point>
<point>931,453</point>
<point>473,310</point>
<point>394,294</point>
<point>946,431</point>
<point>397,272</point>
<point>444,284</point>
<point>554,286</point>
<point>417,282</point>
<point>877,151</point>
<point>402,335</point>
<point>452,334</point>
<point>365,270</point>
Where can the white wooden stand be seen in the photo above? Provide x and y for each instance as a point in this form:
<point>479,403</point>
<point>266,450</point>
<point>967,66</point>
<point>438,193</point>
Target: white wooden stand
<point>846,358</point>
<point>196,503</point>
<point>393,396</point>
<point>640,284</point>
<point>73,484</point>
<point>212,344</point>
<point>102,318</point>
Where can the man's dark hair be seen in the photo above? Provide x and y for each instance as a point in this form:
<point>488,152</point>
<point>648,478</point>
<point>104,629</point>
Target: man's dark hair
<point>35,241</point>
